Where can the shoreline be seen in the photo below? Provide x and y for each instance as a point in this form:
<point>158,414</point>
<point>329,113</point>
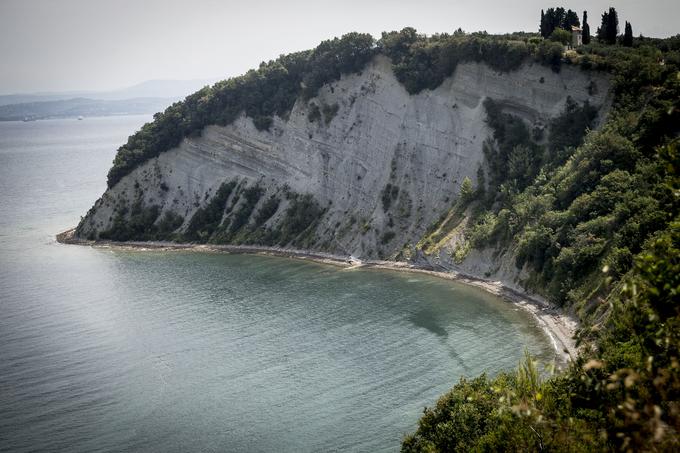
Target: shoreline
<point>557,325</point>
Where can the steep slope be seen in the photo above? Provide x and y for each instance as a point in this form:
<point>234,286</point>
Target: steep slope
<point>374,165</point>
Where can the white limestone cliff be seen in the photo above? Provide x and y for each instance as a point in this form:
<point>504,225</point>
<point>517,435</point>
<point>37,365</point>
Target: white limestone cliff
<point>424,144</point>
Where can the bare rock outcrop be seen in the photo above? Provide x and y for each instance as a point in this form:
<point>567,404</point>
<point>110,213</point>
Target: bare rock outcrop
<point>378,164</point>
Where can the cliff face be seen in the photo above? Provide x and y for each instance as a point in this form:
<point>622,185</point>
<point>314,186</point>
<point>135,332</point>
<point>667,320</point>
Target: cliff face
<point>364,168</point>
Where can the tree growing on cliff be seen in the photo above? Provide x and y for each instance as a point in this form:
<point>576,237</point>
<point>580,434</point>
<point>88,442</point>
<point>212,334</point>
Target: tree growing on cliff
<point>628,35</point>
<point>467,192</point>
<point>586,28</point>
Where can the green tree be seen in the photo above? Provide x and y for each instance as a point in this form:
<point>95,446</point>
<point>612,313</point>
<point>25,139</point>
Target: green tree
<point>555,18</point>
<point>560,35</point>
<point>570,19</point>
<point>628,35</point>
<point>543,27</point>
<point>609,27</point>
<point>466,190</point>
<point>586,28</point>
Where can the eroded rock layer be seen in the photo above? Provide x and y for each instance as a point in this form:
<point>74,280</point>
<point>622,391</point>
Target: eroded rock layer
<point>364,168</point>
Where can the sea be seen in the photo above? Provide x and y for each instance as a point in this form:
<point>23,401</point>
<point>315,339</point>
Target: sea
<point>172,351</point>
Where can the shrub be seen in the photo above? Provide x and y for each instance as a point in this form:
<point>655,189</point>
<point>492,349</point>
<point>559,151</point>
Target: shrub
<point>329,112</point>
<point>387,237</point>
<point>267,210</point>
<point>389,193</point>
<point>206,220</point>
<point>301,214</point>
<point>314,113</point>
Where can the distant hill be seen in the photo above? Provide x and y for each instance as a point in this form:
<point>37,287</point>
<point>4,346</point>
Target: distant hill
<point>71,108</point>
<point>177,89</point>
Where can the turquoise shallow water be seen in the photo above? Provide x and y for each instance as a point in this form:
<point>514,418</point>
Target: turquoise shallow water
<point>106,350</point>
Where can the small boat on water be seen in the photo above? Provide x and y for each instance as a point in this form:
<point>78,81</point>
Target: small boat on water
<point>80,118</point>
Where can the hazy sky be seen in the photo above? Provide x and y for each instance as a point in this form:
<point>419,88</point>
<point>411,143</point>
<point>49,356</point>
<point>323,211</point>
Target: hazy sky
<point>55,45</point>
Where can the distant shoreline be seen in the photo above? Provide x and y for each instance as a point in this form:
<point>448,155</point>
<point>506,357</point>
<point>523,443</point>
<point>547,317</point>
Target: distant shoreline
<point>559,326</point>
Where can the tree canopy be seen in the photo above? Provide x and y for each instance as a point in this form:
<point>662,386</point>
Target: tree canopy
<point>557,18</point>
<point>585,28</point>
<point>609,27</point>
<point>628,35</point>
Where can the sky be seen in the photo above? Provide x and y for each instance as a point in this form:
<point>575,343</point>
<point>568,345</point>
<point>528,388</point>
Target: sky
<point>64,45</point>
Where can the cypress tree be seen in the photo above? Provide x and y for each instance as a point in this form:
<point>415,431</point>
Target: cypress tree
<point>554,18</point>
<point>609,28</point>
<point>628,35</point>
<point>612,26</point>
<point>586,28</point>
<point>543,28</point>
<point>570,19</point>
<point>558,18</point>
<point>602,29</point>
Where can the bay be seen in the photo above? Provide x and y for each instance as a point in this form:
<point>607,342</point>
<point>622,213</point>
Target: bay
<point>111,350</point>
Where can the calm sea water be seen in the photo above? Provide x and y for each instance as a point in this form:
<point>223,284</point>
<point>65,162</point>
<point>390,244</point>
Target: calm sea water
<point>171,351</point>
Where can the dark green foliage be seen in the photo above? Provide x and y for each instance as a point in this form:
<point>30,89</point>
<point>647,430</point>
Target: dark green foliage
<point>628,35</point>
<point>561,36</point>
<point>249,198</point>
<point>460,418</point>
<point>467,192</point>
<point>208,218</point>
<point>314,113</point>
<point>329,112</point>
<point>422,62</point>
<point>168,224</point>
<point>266,211</point>
<point>542,28</point>
<point>585,34</point>
<point>568,129</point>
<point>139,225</point>
<point>389,194</point>
<point>387,237</point>
<point>270,90</point>
<point>609,27</point>
<point>622,396</point>
<point>262,123</point>
<point>586,206</point>
<point>302,213</point>
<point>557,18</point>
<point>570,20</point>
<point>512,156</point>
<point>549,53</point>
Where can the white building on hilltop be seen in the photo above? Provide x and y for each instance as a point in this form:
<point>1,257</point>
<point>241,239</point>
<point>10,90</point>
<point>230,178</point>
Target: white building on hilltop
<point>576,36</point>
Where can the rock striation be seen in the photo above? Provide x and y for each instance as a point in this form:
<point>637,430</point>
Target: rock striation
<point>374,165</point>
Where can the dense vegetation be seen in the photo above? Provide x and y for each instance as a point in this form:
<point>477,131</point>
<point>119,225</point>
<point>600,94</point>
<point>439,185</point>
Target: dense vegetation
<point>624,396</point>
<point>422,62</point>
<point>598,225</point>
<point>558,18</point>
<point>141,223</point>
